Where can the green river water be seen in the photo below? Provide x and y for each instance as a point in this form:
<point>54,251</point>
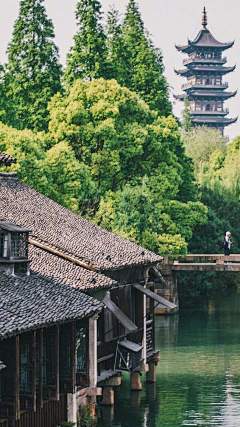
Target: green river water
<point>198,377</point>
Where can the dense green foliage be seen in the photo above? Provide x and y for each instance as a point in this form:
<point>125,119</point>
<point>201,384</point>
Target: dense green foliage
<point>32,74</point>
<point>87,59</point>
<point>137,164</point>
<point>134,61</point>
<point>124,52</point>
<point>217,174</point>
<point>110,158</point>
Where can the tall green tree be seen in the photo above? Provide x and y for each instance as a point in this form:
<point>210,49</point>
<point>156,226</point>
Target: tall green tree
<point>118,58</point>
<point>187,120</point>
<point>33,69</point>
<point>143,62</point>
<point>87,59</point>
<point>136,160</point>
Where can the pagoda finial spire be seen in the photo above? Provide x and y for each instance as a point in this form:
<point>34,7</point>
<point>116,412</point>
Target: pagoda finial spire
<point>204,18</point>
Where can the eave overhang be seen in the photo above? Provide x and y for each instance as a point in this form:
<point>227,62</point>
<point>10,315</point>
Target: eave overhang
<point>213,120</point>
<point>204,40</point>
<point>210,94</point>
<point>189,71</point>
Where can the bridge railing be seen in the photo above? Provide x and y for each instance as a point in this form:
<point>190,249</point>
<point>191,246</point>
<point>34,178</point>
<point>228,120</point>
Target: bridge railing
<point>208,258</point>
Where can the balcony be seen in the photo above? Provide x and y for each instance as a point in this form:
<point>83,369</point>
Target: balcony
<point>204,86</point>
<point>211,112</point>
<point>205,61</point>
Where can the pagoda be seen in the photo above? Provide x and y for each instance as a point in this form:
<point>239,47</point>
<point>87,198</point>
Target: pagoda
<point>204,70</point>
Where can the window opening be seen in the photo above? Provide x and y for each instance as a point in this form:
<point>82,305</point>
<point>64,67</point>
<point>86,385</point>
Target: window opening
<point>81,350</point>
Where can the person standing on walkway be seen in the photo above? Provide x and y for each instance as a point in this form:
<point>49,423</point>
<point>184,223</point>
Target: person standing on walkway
<point>227,243</point>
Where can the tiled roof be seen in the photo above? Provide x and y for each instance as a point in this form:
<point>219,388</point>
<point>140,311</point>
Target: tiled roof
<point>66,272</point>
<point>60,227</point>
<point>6,160</point>
<point>31,302</point>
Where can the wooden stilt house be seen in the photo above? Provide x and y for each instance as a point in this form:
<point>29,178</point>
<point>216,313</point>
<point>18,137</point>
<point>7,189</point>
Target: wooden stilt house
<point>78,254</point>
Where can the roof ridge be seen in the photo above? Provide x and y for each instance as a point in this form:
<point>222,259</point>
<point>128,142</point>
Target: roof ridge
<point>56,250</point>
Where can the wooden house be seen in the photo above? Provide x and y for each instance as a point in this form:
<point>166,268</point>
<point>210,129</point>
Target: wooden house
<point>70,251</point>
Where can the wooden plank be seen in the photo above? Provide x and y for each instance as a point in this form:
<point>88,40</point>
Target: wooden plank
<point>34,394</point>
<point>154,296</point>
<point>57,363</point>
<point>73,357</point>
<point>41,369</point>
<point>120,316</point>
<point>16,381</point>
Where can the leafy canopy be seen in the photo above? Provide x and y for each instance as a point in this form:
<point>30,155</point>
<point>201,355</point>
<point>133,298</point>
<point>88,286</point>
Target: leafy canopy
<point>33,71</point>
<point>136,160</point>
<point>87,59</point>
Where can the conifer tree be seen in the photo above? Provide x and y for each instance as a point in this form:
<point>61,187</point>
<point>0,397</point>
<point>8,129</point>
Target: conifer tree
<point>187,120</point>
<point>33,69</point>
<point>118,58</point>
<point>87,59</point>
<point>144,62</point>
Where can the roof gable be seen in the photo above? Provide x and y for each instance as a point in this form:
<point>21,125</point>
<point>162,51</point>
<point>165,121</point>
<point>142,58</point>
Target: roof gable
<point>31,302</point>
<point>58,226</point>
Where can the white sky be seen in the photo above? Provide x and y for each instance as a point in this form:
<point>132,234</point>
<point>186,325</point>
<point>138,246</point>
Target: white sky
<point>168,21</point>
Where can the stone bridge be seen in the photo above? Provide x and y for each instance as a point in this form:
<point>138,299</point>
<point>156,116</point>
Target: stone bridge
<point>167,287</point>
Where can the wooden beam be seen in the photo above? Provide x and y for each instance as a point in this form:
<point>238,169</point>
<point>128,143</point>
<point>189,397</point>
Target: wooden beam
<point>73,357</point>
<point>41,368</point>
<point>57,363</point>
<point>34,394</point>
<point>62,253</point>
<point>16,381</point>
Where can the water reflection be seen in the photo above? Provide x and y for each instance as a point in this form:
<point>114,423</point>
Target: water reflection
<point>198,378</point>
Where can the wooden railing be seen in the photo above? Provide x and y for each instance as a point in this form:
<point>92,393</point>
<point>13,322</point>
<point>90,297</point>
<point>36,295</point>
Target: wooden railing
<point>52,413</point>
<point>107,350</point>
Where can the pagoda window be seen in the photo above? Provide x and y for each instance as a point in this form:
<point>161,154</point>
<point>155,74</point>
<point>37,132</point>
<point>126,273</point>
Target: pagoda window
<point>208,107</point>
<point>208,81</point>
<point>219,106</point>
<point>198,106</point>
<point>218,81</point>
<point>199,81</point>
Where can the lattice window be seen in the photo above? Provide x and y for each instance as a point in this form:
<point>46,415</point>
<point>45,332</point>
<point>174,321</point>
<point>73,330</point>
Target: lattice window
<point>7,375</point>
<point>3,244</point>
<point>81,350</point>
<point>25,368</point>
<point>49,360</point>
<point>19,245</point>
<point>65,354</point>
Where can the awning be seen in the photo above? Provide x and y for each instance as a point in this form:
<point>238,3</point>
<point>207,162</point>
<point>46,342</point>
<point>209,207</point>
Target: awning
<point>154,296</point>
<point>129,345</point>
<point>120,316</point>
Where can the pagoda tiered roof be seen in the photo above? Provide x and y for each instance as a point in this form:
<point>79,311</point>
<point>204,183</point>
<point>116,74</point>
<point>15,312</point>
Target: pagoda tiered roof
<point>204,40</point>
<point>204,69</point>
<point>205,93</point>
<point>189,71</point>
<point>210,120</point>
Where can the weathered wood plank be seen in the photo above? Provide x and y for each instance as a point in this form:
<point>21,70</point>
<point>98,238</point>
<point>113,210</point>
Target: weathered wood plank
<point>154,296</point>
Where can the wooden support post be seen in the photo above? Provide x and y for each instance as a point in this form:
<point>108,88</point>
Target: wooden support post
<point>73,357</point>
<point>136,381</point>
<point>151,374</point>
<point>57,363</point>
<point>92,351</point>
<point>107,396</point>
<point>16,381</point>
<point>34,395</point>
<point>41,369</point>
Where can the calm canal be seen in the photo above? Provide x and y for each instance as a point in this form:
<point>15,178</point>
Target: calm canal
<point>198,377</point>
